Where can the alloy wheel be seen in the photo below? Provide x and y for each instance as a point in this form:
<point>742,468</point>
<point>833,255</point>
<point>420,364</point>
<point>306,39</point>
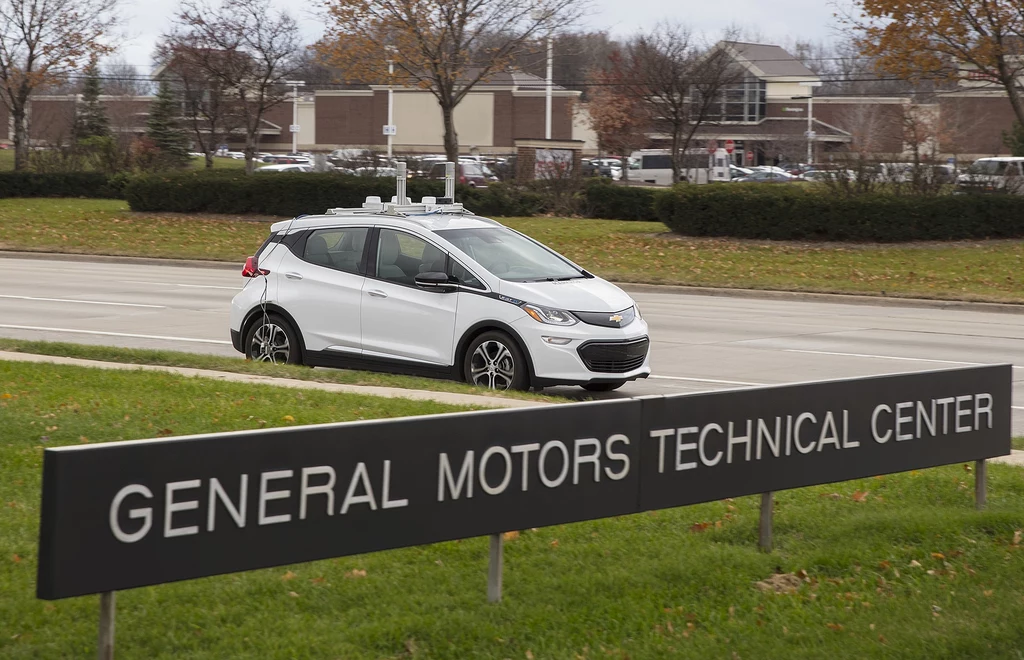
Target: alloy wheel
<point>270,344</point>
<point>493,366</point>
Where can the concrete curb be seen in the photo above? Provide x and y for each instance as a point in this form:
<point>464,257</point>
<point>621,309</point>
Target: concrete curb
<point>760,294</point>
<point>839,298</point>
<point>1016,458</point>
<point>451,398</point>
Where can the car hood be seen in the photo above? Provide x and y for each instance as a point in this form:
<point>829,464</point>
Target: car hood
<point>579,295</point>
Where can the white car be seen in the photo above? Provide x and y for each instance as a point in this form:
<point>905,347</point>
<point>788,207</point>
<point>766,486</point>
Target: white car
<point>296,167</point>
<point>432,289</point>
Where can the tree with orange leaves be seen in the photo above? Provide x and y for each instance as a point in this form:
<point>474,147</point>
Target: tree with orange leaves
<point>444,46</point>
<point>41,43</point>
<point>618,117</point>
<point>951,39</point>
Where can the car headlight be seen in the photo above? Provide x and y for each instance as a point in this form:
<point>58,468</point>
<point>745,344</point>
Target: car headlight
<point>549,315</point>
<point>636,308</point>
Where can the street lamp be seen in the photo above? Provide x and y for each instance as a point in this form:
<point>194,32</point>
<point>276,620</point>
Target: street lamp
<point>810,85</point>
<point>294,128</point>
<point>389,130</point>
<point>539,15</point>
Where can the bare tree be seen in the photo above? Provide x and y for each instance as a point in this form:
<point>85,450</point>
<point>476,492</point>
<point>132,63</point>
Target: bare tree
<point>246,49</point>
<point>123,79</point>
<point>41,42</point>
<point>437,45</point>
<point>679,80</point>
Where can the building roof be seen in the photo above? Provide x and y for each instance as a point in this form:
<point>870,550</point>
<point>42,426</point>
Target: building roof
<point>769,61</point>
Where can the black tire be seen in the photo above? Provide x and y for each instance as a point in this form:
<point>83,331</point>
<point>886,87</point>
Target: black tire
<point>603,387</point>
<point>495,361</point>
<point>283,347</point>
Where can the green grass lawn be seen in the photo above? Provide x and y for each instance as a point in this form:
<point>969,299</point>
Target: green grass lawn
<point>900,566</point>
<point>239,365</point>
<point>617,250</point>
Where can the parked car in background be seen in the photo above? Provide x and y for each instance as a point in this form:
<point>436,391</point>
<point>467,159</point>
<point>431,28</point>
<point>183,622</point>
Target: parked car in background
<point>990,175</point>
<point>350,157</point>
<point>651,166</point>
<point>736,172</point>
<point>282,159</point>
<point>292,167</point>
<point>375,171</point>
<point>768,177</point>
<point>470,173</point>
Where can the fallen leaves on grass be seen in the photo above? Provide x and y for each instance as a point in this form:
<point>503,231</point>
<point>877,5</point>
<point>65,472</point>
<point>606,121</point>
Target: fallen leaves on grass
<point>510,536</point>
<point>860,496</point>
<point>355,573</point>
<point>700,526</point>
<point>1016,537</point>
<point>834,626</point>
<point>288,576</point>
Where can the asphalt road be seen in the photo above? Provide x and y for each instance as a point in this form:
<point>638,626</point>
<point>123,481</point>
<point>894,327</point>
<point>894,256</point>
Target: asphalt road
<point>699,342</point>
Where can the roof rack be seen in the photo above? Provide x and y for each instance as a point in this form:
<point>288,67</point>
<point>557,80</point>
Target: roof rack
<point>401,205</point>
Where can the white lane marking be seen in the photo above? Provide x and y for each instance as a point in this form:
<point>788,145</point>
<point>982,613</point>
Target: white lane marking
<point>84,302</point>
<point>893,357</point>
<point>186,286</point>
<point>705,380</point>
<point>115,334</point>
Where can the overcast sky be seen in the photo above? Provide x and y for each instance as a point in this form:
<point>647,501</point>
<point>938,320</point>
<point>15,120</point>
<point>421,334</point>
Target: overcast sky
<point>778,21</point>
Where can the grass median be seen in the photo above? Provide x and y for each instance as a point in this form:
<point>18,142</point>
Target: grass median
<point>241,366</point>
<point>642,252</point>
<point>897,566</point>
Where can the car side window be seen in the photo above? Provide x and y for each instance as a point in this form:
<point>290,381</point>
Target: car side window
<point>462,276</point>
<point>401,257</point>
<point>340,248</point>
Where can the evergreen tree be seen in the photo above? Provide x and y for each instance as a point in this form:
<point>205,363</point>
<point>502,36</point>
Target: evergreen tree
<point>90,115</point>
<point>164,130</point>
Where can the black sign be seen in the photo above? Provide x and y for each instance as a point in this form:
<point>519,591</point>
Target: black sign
<point>129,514</point>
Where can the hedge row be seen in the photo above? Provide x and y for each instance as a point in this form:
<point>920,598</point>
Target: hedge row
<point>301,193</point>
<point>773,212</point>
<point>66,184</point>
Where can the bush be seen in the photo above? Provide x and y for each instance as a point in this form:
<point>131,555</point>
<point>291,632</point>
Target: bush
<point>60,184</point>
<point>603,199</point>
<point>231,191</point>
<point>778,212</point>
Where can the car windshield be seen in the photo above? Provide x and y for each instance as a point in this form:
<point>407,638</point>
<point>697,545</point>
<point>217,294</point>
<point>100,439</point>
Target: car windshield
<point>511,256</point>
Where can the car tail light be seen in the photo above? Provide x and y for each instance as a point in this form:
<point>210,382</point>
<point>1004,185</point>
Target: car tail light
<point>252,268</point>
<point>462,179</point>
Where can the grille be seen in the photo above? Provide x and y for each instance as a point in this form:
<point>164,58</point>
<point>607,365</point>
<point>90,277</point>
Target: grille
<point>614,357</point>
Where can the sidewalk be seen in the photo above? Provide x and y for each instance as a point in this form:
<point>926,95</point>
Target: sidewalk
<point>451,398</point>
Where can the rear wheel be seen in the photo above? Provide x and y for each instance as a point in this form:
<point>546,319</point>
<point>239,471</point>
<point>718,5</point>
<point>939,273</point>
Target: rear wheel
<point>494,360</point>
<point>272,339</point>
<point>603,387</point>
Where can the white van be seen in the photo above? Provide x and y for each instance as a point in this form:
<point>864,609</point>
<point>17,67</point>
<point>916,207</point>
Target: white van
<point>997,174</point>
<point>651,166</point>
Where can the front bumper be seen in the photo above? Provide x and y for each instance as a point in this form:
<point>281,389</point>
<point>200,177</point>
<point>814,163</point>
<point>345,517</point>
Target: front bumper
<point>592,355</point>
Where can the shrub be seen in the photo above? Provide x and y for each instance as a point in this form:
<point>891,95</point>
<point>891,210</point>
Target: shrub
<point>231,191</point>
<point>603,199</point>
<point>60,184</point>
<point>778,212</point>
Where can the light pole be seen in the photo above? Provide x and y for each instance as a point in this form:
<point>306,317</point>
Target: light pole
<point>539,16</point>
<point>390,130</point>
<point>810,85</point>
<point>294,128</point>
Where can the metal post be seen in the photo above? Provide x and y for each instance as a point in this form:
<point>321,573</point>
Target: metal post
<point>295,117</point>
<point>547,93</point>
<point>810,127</point>
<point>980,484</point>
<point>105,648</point>
<point>391,105</point>
<point>764,540</point>
<point>497,559</point>
<point>449,181</point>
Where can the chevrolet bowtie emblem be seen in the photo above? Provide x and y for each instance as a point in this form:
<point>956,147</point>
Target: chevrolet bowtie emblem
<point>616,318</point>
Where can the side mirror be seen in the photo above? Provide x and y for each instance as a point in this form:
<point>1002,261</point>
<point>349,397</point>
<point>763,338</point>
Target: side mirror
<point>435,281</point>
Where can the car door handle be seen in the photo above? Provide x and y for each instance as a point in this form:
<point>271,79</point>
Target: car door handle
<point>293,276</point>
<point>377,293</point>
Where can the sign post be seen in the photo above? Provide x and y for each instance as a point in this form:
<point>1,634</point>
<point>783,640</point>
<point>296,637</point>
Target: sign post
<point>494,568</point>
<point>105,647</point>
<point>764,536</point>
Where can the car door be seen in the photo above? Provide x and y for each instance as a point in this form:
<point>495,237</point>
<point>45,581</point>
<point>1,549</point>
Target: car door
<point>321,285</point>
<point>399,319</point>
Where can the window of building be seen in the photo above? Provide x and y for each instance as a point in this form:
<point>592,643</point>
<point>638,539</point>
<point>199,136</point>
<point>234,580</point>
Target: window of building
<point>743,101</point>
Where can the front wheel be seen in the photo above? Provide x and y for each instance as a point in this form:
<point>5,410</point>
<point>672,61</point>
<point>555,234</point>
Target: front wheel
<point>493,360</point>
<point>603,387</point>
<point>272,339</point>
